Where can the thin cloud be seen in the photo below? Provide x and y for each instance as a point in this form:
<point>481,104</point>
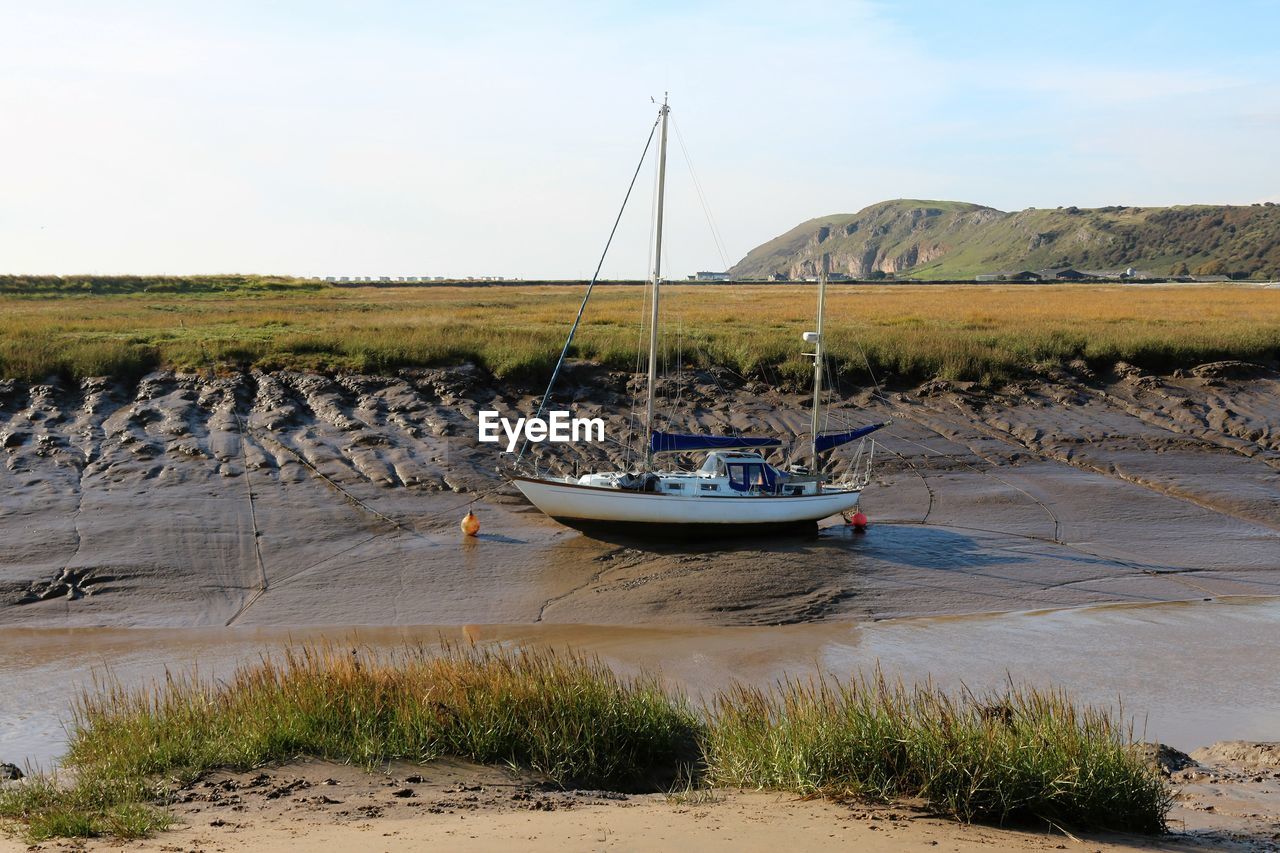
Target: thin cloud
<point>412,139</point>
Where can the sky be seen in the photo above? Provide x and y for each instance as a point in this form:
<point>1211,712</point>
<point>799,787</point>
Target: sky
<point>456,139</point>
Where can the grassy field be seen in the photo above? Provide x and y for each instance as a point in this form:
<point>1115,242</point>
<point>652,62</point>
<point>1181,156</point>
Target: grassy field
<point>1023,755</point>
<point>907,333</point>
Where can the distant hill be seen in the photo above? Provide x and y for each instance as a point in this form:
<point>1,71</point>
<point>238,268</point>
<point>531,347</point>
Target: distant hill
<point>952,239</point>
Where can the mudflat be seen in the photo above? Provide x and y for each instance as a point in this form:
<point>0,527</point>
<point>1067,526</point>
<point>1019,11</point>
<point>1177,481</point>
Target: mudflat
<point>236,512</point>
<point>300,499</point>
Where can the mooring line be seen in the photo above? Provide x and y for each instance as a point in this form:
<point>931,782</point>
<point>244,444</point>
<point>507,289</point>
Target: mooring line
<point>399,525</point>
<point>1057,524</point>
<point>253,516</point>
<point>1057,540</point>
<point>339,489</point>
<point>923,479</point>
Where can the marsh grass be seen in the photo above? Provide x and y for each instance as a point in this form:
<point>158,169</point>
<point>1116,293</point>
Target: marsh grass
<point>906,333</point>
<point>574,722</point>
<point>89,807</point>
<point>571,720</point>
<point>1023,755</point>
<point>567,719</point>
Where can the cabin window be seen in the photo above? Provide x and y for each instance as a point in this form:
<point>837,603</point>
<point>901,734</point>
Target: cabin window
<point>710,487</point>
<point>675,487</point>
<point>745,476</point>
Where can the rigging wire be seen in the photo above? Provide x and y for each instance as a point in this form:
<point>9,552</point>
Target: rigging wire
<point>706,208</point>
<point>642,326</point>
<point>583,307</point>
<point>879,394</point>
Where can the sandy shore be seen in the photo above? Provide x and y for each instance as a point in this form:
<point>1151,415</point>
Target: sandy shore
<point>320,805</point>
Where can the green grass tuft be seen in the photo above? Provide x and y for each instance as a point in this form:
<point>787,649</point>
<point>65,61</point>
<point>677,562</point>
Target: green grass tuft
<point>92,807</point>
<point>1021,756</point>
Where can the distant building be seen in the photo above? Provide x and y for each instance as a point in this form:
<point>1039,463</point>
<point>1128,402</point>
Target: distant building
<point>1062,274</point>
<point>711,276</point>
<point>1022,275</point>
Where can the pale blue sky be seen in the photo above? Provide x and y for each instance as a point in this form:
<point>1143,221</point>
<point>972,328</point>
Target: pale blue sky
<point>397,138</point>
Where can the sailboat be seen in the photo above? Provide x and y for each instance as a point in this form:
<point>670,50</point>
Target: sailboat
<point>735,491</point>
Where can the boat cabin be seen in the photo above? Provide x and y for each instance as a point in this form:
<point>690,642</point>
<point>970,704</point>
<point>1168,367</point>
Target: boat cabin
<point>724,473</point>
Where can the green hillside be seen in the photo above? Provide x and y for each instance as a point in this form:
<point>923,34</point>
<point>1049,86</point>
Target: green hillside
<point>958,240</point>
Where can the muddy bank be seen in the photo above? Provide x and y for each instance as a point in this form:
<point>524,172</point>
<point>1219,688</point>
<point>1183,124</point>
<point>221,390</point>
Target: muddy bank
<point>300,499</point>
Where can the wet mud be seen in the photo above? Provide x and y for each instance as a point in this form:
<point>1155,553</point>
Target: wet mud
<point>299,499</point>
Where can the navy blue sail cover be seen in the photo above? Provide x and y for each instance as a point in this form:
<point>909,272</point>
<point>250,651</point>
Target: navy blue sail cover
<point>835,439</point>
<point>675,442</point>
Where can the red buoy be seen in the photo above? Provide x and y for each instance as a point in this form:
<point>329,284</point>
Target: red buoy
<point>859,522</point>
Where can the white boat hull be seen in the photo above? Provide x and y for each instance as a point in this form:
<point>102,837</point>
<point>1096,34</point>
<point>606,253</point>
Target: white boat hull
<point>594,509</point>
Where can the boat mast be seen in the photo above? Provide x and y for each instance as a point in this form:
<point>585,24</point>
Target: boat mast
<point>817,358</point>
<point>657,277</point>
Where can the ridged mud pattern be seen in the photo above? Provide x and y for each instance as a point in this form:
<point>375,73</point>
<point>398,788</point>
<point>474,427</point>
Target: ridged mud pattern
<point>161,497</point>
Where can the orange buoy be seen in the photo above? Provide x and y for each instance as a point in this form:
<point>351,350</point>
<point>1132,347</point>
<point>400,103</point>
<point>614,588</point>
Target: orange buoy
<point>859,522</point>
<point>470,524</point>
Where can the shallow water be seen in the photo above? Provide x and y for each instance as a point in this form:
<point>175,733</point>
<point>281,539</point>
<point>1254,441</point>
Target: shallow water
<point>1190,673</point>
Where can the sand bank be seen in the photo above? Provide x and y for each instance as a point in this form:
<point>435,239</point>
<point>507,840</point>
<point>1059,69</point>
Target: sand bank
<point>320,805</point>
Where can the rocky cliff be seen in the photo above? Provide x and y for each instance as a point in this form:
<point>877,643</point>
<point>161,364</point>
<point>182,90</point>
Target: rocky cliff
<point>948,239</point>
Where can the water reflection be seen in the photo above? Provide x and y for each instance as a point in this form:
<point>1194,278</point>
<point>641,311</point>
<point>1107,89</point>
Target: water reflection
<point>1192,672</point>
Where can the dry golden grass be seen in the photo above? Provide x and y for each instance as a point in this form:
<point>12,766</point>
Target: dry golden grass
<point>909,332</point>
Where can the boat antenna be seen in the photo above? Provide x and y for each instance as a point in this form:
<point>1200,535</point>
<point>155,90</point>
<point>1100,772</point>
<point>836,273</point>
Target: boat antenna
<point>817,358</point>
<point>564,352</point>
<point>663,114</point>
